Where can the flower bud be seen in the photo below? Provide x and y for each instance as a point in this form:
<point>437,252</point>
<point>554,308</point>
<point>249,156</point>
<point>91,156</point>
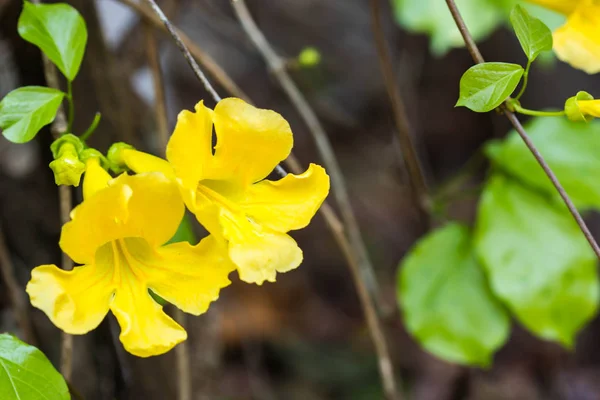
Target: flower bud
<point>309,57</point>
<point>115,156</point>
<point>573,108</point>
<point>67,166</point>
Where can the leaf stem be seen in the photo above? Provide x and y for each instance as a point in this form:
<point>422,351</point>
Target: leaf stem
<point>85,135</point>
<point>536,113</point>
<point>525,80</point>
<point>71,107</point>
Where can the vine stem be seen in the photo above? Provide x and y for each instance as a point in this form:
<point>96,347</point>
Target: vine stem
<point>183,48</point>
<point>409,154</point>
<point>536,113</point>
<point>478,58</point>
<point>330,216</point>
<point>184,382</point>
<point>60,126</point>
<point>525,80</point>
<point>71,106</point>
<point>364,276</point>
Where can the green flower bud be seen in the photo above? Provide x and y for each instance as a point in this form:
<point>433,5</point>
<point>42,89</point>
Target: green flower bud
<point>309,57</point>
<point>93,153</point>
<point>67,166</point>
<point>572,109</point>
<point>115,157</point>
<point>77,144</point>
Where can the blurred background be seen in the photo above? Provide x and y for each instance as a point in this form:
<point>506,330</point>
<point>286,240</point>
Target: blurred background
<point>305,336</point>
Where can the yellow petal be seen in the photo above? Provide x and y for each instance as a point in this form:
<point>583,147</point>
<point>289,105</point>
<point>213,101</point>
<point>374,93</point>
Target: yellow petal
<point>188,276</point>
<point>145,329</point>
<point>578,41</point>
<point>589,107</point>
<point>562,6</point>
<point>250,141</point>
<point>146,205</point>
<point>96,178</point>
<point>257,252</point>
<point>190,147</point>
<point>139,162</point>
<point>75,301</point>
<point>289,203</point>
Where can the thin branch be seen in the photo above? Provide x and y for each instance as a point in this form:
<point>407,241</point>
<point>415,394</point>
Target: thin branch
<point>15,293</point>
<point>409,153</point>
<point>478,58</point>
<point>58,127</point>
<point>277,66</point>
<point>362,269</point>
<point>183,48</point>
<point>184,383</point>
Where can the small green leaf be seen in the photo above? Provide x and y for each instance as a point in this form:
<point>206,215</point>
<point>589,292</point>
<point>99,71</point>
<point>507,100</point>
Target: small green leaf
<point>26,110</point>
<point>185,232</point>
<point>537,260</point>
<point>532,33</point>
<point>26,373</point>
<point>571,149</point>
<point>59,31</point>
<point>485,86</point>
<point>446,302</point>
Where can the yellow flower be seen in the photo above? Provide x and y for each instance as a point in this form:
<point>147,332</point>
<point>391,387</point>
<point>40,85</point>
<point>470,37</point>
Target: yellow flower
<point>578,41</point>
<point>226,189</point>
<point>582,107</point>
<point>117,233</point>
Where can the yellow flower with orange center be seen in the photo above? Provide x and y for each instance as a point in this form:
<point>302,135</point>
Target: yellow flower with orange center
<point>578,41</point>
<point>225,186</point>
<point>118,234</point>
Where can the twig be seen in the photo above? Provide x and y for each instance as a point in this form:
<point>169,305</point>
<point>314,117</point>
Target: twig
<point>15,293</point>
<point>362,269</point>
<point>183,48</point>
<point>277,66</point>
<point>332,220</point>
<point>184,383</point>
<point>58,127</point>
<point>478,58</point>
<point>409,153</point>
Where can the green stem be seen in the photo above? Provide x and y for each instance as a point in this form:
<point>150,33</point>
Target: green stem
<point>536,113</point>
<point>525,79</point>
<point>71,106</point>
<point>91,128</point>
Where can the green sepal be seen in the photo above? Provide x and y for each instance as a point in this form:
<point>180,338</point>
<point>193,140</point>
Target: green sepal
<point>572,109</point>
<point>115,158</point>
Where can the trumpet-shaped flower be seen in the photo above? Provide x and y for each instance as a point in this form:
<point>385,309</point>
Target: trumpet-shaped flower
<point>225,186</point>
<point>118,233</point>
<point>578,41</point>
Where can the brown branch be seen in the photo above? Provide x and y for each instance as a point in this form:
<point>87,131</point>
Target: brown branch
<point>409,153</point>
<point>184,383</point>
<point>355,250</point>
<point>478,58</point>
<point>58,127</point>
<point>15,293</point>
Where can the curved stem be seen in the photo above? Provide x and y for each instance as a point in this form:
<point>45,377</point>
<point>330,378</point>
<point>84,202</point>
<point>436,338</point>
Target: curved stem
<point>474,50</point>
<point>88,132</point>
<point>536,113</point>
<point>71,107</point>
<point>525,80</point>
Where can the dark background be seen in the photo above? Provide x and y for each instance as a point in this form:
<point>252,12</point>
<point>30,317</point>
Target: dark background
<point>303,337</point>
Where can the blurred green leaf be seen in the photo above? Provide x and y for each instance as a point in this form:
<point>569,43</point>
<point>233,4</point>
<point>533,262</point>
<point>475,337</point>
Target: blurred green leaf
<point>185,232</point>
<point>485,86</point>
<point>534,36</point>
<point>571,149</point>
<point>446,302</point>
<point>433,18</point>
<point>26,110</point>
<point>537,260</point>
<point>59,31</point>
<point>27,374</point>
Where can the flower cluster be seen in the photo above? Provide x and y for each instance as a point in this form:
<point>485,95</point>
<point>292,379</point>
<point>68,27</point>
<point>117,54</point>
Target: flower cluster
<point>577,42</point>
<point>119,232</point>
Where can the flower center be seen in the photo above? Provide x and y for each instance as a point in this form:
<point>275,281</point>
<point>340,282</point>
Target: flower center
<point>125,258</point>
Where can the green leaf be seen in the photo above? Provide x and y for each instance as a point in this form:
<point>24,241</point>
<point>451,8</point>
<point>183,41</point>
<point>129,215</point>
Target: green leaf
<point>59,31</point>
<point>537,260</point>
<point>532,33</point>
<point>571,149</point>
<point>26,110</point>
<point>446,302</point>
<point>185,232</point>
<point>485,86</point>
<point>26,373</point>
<point>433,18</point>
